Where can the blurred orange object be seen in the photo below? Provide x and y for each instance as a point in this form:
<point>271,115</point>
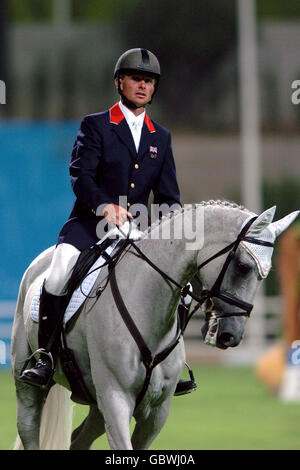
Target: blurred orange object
<point>270,367</point>
<point>288,270</point>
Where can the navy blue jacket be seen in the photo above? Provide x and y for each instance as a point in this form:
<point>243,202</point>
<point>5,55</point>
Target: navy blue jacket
<point>105,165</point>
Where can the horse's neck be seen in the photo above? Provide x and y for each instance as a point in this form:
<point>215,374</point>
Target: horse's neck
<point>172,246</point>
<point>221,226</point>
<point>195,235</point>
<point>154,299</point>
<point>195,232</point>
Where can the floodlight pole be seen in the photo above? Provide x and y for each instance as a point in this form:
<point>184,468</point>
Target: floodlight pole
<point>61,20</point>
<point>249,107</point>
<point>251,180</point>
<point>62,12</point>
<point>3,48</point>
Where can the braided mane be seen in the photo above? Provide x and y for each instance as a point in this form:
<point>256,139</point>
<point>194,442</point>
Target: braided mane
<point>188,207</point>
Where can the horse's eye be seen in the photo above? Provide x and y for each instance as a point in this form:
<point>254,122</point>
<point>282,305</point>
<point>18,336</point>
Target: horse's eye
<point>243,268</point>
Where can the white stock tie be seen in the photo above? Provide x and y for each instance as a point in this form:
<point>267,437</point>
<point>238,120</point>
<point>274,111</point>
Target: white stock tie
<point>136,133</point>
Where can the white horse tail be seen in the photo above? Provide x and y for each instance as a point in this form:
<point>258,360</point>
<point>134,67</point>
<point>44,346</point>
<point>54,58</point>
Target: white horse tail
<point>56,423</point>
<point>18,444</point>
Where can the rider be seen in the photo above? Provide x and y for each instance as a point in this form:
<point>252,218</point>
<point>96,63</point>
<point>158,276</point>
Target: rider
<point>119,152</point>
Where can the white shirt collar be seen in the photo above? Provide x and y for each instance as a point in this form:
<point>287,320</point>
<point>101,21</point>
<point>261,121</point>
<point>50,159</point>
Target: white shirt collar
<point>130,117</point>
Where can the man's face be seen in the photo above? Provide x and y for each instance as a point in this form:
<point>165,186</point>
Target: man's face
<point>138,88</point>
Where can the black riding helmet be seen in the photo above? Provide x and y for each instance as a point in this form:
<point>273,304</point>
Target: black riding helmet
<point>137,60</point>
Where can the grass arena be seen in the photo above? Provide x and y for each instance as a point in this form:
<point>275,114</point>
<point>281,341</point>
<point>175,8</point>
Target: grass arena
<point>231,410</point>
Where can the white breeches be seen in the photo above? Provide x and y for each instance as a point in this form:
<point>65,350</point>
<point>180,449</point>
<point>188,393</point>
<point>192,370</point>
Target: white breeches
<point>63,261</point>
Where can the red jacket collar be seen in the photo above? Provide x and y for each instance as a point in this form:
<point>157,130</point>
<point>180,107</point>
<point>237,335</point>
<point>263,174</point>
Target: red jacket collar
<point>116,116</point>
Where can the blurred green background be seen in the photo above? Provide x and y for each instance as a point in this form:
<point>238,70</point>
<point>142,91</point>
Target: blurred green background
<point>230,410</point>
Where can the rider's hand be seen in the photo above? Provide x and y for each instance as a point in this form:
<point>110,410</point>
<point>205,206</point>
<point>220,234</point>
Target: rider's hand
<point>116,215</point>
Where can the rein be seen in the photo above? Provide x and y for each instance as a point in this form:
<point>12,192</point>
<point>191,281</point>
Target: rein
<point>150,361</point>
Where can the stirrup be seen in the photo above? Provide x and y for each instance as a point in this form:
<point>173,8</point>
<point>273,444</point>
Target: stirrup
<point>38,351</point>
<point>189,385</point>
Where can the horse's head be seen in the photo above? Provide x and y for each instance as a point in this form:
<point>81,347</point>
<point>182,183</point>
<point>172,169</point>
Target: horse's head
<point>232,278</point>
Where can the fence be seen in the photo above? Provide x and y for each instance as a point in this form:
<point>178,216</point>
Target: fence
<point>6,320</point>
<point>250,349</point>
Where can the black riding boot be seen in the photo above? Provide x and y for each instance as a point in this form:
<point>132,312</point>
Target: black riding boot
<point>185,386</point>
<point>51,313</point>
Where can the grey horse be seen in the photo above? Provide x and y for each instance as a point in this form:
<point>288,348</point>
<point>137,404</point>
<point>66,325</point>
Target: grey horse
<point>104,347</point>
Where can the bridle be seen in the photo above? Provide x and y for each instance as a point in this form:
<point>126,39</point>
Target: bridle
<point>183,315</point>
<point>215,291</point>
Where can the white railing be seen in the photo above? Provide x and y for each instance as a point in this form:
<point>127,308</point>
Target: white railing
<point>7,310</point>
<point>263,328</point>
<point>254,343</point>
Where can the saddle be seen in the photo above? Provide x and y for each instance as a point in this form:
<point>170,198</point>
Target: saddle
<point>86,259</point>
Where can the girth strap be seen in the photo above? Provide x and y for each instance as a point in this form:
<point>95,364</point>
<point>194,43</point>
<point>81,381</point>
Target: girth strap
<point>148,359</point>
<point>145,351</point>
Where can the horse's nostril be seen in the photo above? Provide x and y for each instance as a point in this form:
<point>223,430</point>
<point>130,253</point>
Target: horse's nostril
<point>227,339</point>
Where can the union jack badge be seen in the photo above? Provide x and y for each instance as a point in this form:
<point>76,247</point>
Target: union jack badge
<point>153,152</point>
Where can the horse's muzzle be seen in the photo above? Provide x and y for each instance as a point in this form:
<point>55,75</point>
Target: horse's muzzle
<point>227,332</point>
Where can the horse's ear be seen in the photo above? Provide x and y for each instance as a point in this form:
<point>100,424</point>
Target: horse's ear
<point>262,221</point>
<point>281,225</point>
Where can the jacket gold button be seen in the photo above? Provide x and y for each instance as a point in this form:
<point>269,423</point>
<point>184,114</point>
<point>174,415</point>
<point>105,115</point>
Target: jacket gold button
<point>136,166</point>
<point>132,185</point>
<point>128,204</point>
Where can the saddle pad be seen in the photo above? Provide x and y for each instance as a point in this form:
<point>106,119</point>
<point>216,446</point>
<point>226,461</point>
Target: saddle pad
<point>79,295</point>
